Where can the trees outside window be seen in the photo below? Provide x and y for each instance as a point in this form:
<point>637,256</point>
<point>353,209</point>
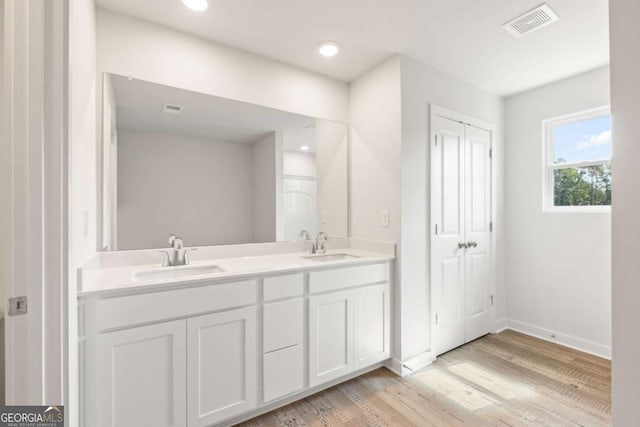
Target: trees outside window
<point>578,162</point>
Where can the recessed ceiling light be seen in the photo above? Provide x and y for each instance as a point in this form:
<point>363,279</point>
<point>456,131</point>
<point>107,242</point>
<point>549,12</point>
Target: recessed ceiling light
<point>197,5</point>
<point>304,148</point>
<point>329,49</point>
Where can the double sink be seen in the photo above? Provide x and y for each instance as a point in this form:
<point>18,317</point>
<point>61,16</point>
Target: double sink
<point>165,273</point>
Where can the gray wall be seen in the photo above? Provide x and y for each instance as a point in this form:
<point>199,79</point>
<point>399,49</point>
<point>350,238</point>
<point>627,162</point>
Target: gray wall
<point>198,189</point>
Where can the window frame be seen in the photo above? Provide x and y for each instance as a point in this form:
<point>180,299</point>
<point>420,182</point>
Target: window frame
<point>548,165</point>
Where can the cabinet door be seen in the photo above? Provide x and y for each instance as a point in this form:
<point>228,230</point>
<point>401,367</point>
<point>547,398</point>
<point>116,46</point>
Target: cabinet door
<point>141,376</point>
<point>330,336</point>
<point>372,325</point>
<point>222,362</point>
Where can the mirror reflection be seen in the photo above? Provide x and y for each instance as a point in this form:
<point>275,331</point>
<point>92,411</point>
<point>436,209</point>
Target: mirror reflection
<point>215,171</point>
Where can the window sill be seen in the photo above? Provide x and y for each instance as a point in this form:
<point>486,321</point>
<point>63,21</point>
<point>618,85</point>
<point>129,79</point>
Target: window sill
<point>578,210</point>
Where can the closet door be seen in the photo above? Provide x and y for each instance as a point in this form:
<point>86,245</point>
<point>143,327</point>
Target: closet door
<point>478,235</point>
<point>447,251</point>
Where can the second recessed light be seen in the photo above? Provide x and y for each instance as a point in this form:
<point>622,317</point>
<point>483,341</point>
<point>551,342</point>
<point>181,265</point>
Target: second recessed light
<point>197,5</point>
<point>329,49</point>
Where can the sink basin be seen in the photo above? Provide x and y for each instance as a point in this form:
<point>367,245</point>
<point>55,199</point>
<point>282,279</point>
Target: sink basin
<point>162,273</point>
<point>330,257</point>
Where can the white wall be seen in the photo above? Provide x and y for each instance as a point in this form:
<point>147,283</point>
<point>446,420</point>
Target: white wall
<point>625,92</point>
<point>559,264</point>
<point>390,171</point>
<point>82,132</point>
<point>195,188</point>
<point>130,46</point>
<point>375,140</point>
<point>265,180</point>
<point>422,86</point>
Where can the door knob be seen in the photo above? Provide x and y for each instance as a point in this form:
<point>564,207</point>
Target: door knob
<point>472,244</point>
<point>463,245</point>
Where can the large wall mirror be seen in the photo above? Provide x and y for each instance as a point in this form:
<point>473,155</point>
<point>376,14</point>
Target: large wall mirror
<point>215,171</point>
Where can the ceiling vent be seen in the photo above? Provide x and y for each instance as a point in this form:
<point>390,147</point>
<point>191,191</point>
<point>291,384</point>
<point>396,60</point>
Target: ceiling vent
<point>171,109</point>
<point>531,21</point>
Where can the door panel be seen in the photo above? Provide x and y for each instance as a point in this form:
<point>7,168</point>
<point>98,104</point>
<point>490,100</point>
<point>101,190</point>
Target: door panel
<point>451,168</point>
<point>447,213</point>
<point>478,214</point>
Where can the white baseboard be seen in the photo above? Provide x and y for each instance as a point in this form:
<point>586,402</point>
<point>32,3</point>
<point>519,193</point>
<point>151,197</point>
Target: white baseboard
<point>500,326</point>
<point>409,366</point>
<point>556,337</point>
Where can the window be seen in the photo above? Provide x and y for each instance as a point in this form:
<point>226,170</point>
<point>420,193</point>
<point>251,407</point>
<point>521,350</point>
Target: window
<point>578,162</point>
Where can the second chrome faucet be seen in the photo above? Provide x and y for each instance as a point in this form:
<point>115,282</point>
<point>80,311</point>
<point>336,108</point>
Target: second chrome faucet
<point>319,246</point>
<point>177,254</point>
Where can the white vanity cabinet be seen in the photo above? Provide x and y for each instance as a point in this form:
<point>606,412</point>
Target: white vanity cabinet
<point>141,377</point>
<point>221,366</point>
<point>212,353</point>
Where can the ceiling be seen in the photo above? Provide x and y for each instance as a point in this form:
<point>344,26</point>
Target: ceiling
<point>139,107</point>
<point>463,38</point>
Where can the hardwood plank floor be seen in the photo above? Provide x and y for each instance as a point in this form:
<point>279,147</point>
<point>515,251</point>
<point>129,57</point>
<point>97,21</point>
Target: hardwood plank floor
<point>506,379</point>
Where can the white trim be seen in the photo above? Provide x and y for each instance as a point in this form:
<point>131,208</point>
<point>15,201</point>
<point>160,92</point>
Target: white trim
<point>548,165</point>
<point>411,365</point>
<point>500,325</point>
<point>33,195</point>
<point>565,340</point>
<point>598,209</point>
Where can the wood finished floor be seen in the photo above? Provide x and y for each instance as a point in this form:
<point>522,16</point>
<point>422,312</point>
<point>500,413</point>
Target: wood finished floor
<point>507,379</point>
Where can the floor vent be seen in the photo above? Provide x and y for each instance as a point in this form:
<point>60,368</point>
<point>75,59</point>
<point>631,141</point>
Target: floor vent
<point>531,21</point>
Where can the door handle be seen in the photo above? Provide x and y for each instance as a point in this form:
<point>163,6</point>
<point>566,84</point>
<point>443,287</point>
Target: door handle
<point>472,244</point>
<point>463,245</point>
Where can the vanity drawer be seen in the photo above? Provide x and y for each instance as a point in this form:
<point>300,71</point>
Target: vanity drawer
<point>278,287</point>
<point>135,309</point>
<point>282,326</point>
<point>283,372</point>
<point>329,280</point>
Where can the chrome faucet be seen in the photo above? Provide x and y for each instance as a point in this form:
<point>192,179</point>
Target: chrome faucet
<point>319,246</point>
<point>178,255</point>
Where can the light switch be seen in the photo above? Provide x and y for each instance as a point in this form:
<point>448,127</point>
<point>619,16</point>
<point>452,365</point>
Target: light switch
<point>384,218</point>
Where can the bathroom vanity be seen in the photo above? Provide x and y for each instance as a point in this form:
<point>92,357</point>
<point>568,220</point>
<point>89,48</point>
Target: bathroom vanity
<point>254,321</point>
<point>229,339</point>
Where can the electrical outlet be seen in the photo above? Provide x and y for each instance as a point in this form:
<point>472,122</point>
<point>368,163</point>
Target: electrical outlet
<point>384,218</point>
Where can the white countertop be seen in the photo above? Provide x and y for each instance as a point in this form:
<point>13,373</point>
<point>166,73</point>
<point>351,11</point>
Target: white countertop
<point>121,280</point>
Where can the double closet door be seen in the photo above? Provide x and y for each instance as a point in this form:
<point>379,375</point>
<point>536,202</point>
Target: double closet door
<point>461,264</point>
